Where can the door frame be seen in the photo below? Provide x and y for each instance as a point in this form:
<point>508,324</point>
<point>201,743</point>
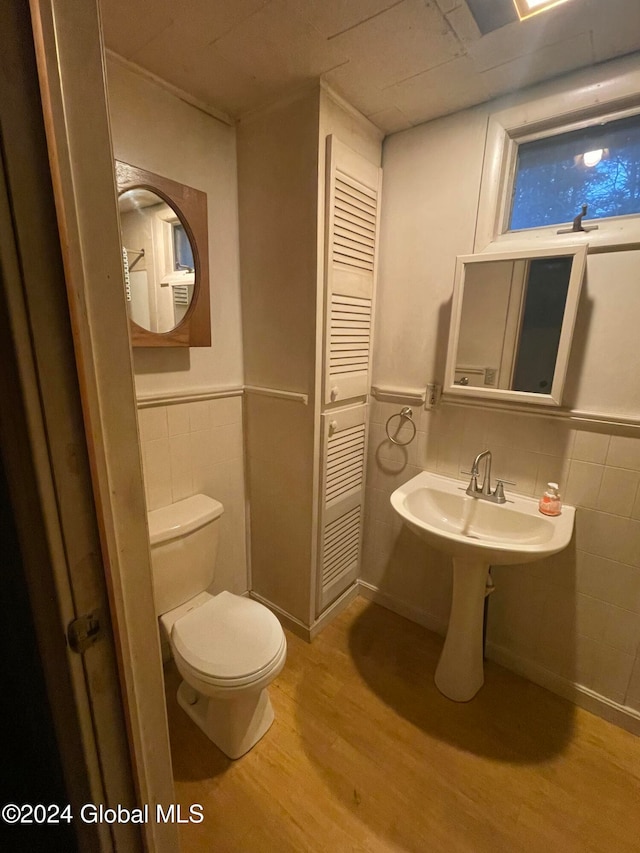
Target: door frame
<point>77,391</point>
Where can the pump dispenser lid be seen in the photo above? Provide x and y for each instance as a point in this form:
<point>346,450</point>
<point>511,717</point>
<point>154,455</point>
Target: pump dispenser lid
<point>552,489</point>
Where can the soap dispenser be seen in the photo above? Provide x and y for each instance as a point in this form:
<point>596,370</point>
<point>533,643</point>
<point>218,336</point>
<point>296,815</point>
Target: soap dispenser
<point>550,503</point>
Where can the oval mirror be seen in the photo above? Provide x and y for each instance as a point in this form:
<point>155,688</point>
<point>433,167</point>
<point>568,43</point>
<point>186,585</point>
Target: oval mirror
<point>165,259</point>
<point>160,272</point>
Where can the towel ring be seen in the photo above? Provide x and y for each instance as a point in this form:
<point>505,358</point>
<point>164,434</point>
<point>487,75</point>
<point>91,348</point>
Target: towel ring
<point>405,414</point>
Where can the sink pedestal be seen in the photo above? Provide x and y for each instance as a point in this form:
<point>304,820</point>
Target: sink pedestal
<point>477,534</point>
<point>460,671</point>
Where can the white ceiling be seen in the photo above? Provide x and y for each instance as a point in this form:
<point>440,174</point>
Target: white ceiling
<point>400,62</point>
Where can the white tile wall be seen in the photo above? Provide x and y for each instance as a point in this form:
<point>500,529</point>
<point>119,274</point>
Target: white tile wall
<point>577,613</point>
<point>192,448</point>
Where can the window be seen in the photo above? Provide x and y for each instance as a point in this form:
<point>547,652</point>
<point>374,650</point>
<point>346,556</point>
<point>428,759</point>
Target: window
<point>545,158</point>
<point>598,166</point>
<point>182,251</point>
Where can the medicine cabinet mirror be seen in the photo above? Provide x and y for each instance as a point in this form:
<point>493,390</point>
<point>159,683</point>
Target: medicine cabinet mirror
<point>512,324</point>
<point>166,259</point>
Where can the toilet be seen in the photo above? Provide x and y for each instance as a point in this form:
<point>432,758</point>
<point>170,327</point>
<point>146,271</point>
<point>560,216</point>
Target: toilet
<point>227,648</point>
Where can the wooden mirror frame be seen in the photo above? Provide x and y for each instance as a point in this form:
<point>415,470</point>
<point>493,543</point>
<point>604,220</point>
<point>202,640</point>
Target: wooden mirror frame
<point>194,330</point>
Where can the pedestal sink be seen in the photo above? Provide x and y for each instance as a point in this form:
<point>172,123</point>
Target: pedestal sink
<point>477,534</point>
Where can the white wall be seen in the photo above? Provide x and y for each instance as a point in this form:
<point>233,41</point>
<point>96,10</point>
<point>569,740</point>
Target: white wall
<point>191,447</point>
<point>197,448</point>
<point>278,185</point>
<point>153,129</point>
<point>574,618</point>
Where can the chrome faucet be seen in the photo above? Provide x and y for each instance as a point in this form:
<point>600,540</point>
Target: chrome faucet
<point>484,492</point>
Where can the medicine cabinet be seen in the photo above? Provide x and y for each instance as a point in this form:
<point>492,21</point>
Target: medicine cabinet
<point>512,323</point>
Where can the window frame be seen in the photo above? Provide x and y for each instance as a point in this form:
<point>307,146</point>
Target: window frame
<point>587,105</point>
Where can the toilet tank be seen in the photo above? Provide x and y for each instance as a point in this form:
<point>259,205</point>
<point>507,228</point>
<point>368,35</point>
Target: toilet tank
<point>184,543</point>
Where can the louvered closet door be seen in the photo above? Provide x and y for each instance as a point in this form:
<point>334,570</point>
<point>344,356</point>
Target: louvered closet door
<point>342,500</point>
<point>353,199</point>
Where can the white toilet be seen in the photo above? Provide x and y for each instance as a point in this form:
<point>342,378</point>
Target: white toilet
<point>227,648</point>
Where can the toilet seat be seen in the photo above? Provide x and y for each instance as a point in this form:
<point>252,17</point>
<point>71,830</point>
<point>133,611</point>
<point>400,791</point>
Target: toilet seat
<point>229,641</point>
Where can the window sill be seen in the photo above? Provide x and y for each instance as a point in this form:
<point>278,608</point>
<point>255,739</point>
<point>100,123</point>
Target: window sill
<point>612,235</point>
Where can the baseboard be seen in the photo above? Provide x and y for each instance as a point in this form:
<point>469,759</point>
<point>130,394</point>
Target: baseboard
<point>333,610</point>
<point>414,614</point>
<point>288,621</point>
<point>308,632</point>
<point>621,715</point>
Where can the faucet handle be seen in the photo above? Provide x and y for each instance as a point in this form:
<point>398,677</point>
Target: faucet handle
<point>506,482</point>
<point>498,492</point>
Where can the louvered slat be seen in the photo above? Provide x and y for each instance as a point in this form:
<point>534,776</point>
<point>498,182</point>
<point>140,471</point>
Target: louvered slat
<point>342,540</point>
<point>339,462</point>
<point>354,250</point>
<point>181,294</point>
<point>342,320</point>
<point>355,214</point>
<point>352,358</point>
<point>341,480</point>
<point>350,261</point>
<point>358,236</point>
<point>341,545</point>
<point>345,462</point>
<point>344,356</point>
<point>345,563</point>
<point>350,335</point>
<point>339,458</point>
<point>350,227</point>
<point>348,346</point>
<point>347,193</point>
<point>354,226</point>
<point>350,185</point>
<point>348,365</point>
<point>345,438</point>
<point>348,454</point>
<point>342,314</point>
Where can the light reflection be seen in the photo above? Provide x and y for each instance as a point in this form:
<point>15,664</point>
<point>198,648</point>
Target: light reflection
<point>527,8</point>
<point>592,158</point>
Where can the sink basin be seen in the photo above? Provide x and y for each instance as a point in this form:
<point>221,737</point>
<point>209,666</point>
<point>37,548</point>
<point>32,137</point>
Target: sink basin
<point>438,510</point>
<point>477,534</point>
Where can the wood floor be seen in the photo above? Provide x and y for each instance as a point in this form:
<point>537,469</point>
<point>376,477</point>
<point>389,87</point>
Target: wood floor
<point>366,755</point>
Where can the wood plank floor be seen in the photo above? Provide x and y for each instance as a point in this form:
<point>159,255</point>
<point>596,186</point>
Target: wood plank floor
<point>366,755</point>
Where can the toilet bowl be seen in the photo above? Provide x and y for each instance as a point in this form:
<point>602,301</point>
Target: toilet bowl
<point>226,647</point>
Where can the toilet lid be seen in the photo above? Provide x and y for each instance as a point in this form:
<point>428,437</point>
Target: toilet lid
<point>228,637</point>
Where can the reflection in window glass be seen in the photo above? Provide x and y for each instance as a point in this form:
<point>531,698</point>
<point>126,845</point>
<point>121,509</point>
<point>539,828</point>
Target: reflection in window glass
<point>542,316</point>
<point>598,166</point>
<point>182,251</point>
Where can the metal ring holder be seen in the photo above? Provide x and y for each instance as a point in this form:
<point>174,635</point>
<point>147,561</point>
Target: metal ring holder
<point>405,414</point>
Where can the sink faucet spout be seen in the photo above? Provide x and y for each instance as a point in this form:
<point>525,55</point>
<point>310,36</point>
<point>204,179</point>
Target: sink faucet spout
<point>475,470</point>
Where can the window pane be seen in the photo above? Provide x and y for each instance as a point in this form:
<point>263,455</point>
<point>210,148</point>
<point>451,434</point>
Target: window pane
<point>598,166</point>
<point>544,304</point>
<point>182,251</point>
